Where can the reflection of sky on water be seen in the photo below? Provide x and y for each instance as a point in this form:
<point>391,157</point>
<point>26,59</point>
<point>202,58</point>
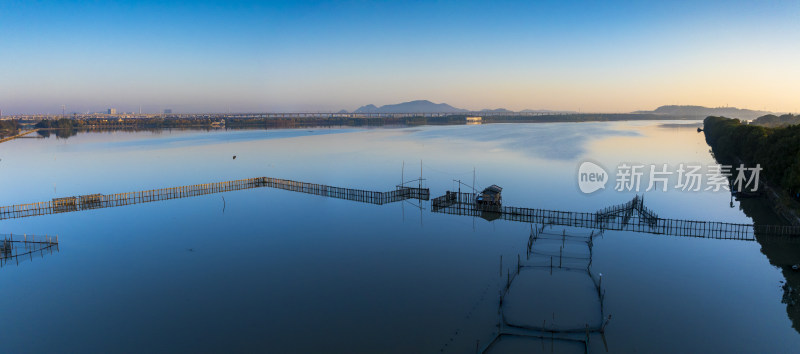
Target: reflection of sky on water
<point>277,267</point>
<point>215,137</point>
<point>535,163</point>
<point>553,141</point>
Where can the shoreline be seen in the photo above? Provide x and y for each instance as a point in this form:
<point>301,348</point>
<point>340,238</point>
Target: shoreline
<point>237,123</point>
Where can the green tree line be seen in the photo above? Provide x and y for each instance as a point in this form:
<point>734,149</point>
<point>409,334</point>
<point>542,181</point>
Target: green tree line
<point>65,123</point>
<point>776,149</point>
<point>9,127</point>
<point>62,123</point>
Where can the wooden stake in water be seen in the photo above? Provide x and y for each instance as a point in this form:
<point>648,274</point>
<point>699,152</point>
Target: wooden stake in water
<point>501,265</point>
<point>587,333</point>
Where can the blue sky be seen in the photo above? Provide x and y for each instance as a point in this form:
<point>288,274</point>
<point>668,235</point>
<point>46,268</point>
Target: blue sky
<point>322,56</point>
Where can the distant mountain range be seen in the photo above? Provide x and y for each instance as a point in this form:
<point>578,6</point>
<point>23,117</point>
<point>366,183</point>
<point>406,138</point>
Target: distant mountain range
<point>702,112</point>
<point>425,106</point>
<point>418,106</point>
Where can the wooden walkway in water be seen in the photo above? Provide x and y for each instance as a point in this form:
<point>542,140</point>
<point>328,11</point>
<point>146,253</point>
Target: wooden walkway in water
<point>95,201</point>
<point>17,136</point>
<point>614,218</point>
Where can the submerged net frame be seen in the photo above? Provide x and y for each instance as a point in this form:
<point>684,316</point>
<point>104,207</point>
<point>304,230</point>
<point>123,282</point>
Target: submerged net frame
<point>538,258</point>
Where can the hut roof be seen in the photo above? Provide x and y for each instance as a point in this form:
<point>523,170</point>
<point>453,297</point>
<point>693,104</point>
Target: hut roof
<point>493,189</point>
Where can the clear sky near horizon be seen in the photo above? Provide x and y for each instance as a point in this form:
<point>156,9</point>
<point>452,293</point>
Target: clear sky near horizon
<point>592,56</point>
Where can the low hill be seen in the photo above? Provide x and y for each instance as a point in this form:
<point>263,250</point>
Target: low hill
<point>702,112</point>
<point>771,120</point>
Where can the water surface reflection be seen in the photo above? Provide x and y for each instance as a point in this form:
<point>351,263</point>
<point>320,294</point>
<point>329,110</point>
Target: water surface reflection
<point>277,267</point>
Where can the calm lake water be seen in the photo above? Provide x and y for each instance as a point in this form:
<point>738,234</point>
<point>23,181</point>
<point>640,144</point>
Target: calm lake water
<point>277,271</point>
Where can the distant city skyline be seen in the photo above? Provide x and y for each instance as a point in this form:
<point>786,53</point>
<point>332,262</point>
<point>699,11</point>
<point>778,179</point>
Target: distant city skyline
<point>324,56</point>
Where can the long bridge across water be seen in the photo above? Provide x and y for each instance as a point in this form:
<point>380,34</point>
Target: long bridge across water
<point>292,115</point>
